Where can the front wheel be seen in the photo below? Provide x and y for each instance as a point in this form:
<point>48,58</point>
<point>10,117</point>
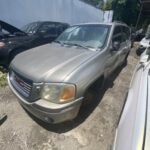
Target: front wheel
<point>93,91</point>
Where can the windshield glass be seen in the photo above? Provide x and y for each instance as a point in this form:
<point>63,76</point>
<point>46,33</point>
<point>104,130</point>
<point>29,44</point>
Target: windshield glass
<point>90,36</point>
<point>31,28</point>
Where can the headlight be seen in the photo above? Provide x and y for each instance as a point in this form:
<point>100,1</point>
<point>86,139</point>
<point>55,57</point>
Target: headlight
<point>58,92</point>
<point>2,44</point>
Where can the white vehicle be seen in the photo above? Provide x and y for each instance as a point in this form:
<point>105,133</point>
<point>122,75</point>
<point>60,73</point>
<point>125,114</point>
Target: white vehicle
<point>144,43</point>
<point>133,131</point>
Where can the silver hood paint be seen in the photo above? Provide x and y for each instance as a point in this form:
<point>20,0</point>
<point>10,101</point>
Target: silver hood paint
<point>54,62</point>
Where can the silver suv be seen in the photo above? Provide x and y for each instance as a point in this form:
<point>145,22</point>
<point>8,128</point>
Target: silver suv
<point>51,81</point>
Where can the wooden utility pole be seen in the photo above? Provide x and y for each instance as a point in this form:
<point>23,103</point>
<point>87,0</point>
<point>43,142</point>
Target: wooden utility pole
<point>139,16</point>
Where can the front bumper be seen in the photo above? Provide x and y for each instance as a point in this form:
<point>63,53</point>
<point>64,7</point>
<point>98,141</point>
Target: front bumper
<point>47,111</point>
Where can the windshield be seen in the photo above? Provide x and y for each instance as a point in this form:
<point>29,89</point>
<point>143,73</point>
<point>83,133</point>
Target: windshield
<point>90,36</point>
<point>31,28</point>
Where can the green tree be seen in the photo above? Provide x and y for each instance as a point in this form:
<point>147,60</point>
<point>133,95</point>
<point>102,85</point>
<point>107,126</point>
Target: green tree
<point>124,10</point>
<point>106,5</point>
<point>93,2</point>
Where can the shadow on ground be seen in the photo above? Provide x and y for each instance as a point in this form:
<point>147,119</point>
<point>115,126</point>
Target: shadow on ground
<point>3,70</point>
<point>84,113</point>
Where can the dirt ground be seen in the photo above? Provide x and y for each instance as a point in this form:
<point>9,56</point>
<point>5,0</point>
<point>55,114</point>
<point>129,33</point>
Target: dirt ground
<point>93,129</point>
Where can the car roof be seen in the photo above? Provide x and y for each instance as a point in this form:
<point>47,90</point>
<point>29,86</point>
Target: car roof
<point>42,22</point>
<point>105,23</point>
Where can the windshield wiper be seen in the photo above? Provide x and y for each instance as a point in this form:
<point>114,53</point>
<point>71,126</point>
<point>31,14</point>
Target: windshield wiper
<point>75,44</point>
<point>57,42</point>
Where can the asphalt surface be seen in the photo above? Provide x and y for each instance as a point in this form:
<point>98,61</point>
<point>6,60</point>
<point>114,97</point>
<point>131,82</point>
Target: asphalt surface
<point>93,129</point>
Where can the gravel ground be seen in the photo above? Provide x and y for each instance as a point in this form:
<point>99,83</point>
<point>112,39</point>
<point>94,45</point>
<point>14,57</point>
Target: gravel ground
<point>93,129</point>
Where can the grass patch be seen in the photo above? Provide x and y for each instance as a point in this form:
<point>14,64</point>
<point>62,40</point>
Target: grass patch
<point>3,79</point>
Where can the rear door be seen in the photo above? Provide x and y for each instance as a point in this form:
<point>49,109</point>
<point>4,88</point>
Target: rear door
<point>115,54</point>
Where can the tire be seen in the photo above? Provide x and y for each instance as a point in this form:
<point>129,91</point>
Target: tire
<point>93,91</point>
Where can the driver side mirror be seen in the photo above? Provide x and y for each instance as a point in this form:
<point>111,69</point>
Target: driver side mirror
<point>115,46</point>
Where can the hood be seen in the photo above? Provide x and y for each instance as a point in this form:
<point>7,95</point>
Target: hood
<point>50,63</point>
<point>11,29</point>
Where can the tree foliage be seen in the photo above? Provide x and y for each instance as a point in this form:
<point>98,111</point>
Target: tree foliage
<point>106,5</point>
<point>124,10</point>
<point>93,2</point>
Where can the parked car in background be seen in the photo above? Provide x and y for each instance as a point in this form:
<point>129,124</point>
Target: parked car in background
<point>139,34</point>
<point>144,43</point>
<point>133,131</point>
<point>52,81</point>
<point>14,40</point>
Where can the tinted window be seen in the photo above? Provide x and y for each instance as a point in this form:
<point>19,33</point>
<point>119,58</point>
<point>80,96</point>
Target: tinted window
<point>65,27</point>
<point>117,35</point>
<point>4,31</point>
<point>117,30</point>
<point>126,33</point>
<point>59,28</point>
<point>31,28</point>
<point>47,27</point>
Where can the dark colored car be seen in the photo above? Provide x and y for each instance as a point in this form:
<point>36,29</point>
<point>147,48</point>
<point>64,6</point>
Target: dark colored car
<point>14,40</point>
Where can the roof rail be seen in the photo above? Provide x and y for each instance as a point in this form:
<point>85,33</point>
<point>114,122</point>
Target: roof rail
<point>119,22</point>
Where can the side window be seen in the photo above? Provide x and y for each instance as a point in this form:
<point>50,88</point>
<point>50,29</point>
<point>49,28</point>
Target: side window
<point>65,27</point>
<point>4,31</point>
<point>117,35</point>
<point>126,33</point>
<point>48,28</point>
<point>59,29</point>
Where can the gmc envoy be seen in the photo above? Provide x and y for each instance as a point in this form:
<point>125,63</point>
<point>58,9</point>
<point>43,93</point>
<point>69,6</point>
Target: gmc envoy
<point>51,80</point>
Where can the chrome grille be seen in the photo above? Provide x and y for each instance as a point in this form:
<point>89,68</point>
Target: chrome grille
<point>21,85</point>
